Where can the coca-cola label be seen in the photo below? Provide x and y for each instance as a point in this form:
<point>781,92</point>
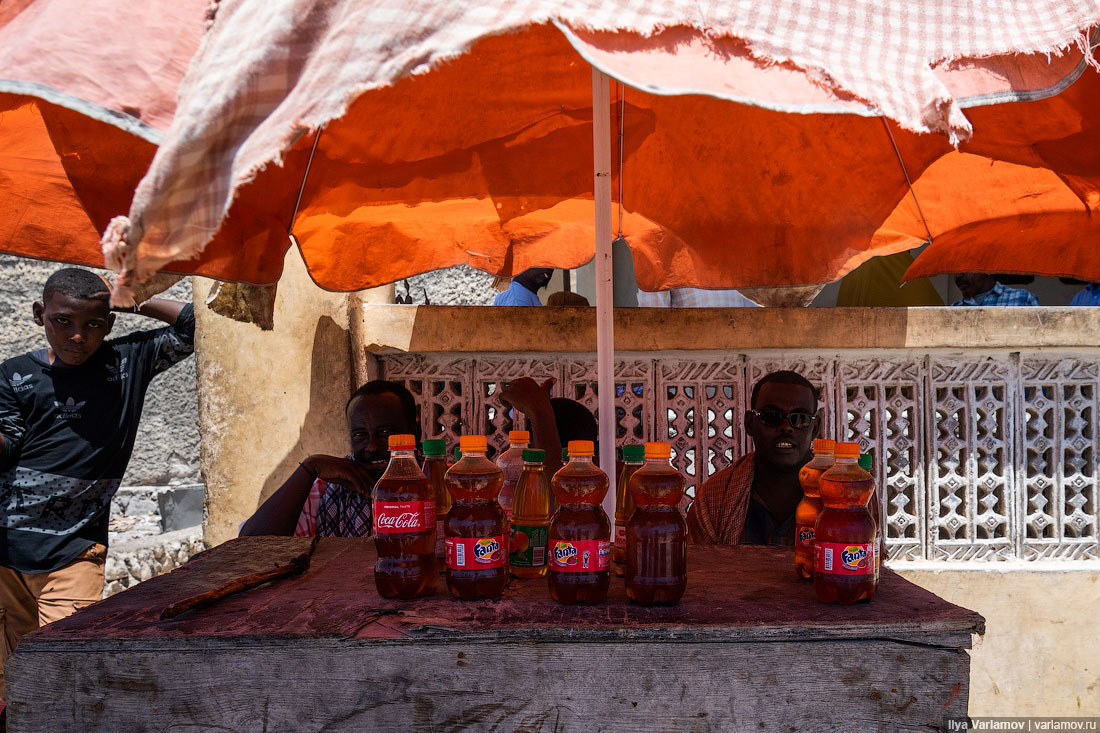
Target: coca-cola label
<point>805,535</point>
<point>839,558</point>
<point>403,516</point>
<point>477,553</point>
<point>620,535</point>
<point>580,556</point>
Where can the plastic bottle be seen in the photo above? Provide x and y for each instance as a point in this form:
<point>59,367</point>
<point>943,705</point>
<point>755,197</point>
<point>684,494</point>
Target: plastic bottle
<point>656,533</point>
<point>580,533</point>
<point>511,465</point>
<point>874,505</point>
<point>633,458</point>
<point>530,518</point>
<point>404,526</point>
<point>435,468</point>
<point>805,516</point>
<point>476,529</point>
<point>844,538</point>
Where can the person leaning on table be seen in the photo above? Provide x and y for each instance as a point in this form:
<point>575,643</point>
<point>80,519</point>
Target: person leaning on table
<point>331,496</point>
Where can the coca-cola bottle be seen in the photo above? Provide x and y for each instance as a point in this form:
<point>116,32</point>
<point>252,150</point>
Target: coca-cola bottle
<point>404,526</point>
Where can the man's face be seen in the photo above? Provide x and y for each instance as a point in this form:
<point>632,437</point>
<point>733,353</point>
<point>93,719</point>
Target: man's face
<point>974,283</point>
<point>779,445</point>
<point>372,419</point>
<point>75,327</point>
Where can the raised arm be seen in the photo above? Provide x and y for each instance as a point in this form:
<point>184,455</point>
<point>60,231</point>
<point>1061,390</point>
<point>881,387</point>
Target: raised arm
<point>533,400</point>
<point>162,309</point>
<point>279,514</point>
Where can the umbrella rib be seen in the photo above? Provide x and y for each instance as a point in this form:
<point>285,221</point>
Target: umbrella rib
<point>908,181</point>
<point>305,176</point>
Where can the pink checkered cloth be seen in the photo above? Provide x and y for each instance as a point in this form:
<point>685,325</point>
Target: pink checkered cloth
<point>269,71</point>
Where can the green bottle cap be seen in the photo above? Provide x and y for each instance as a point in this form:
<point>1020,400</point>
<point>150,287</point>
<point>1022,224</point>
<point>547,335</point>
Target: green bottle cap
<point>866,462</point>
<point>433,447</point>
<point>458,453</point>
<point>565,454</point>
<point>634,453</point>
<point>534,455</point>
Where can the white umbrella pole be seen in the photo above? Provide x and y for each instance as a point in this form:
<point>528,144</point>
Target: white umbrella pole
<point>605,335</point>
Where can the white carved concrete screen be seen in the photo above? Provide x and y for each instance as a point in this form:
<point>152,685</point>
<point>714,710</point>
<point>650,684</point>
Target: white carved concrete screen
<point>960,482</point>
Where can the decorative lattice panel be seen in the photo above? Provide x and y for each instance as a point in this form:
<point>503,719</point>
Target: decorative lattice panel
<point>1058,503</point>
<point>878,406</point>
<point>491,375</point>
<point>970,424</point>
<point>443,388</point>
<point>702,414</point>
<point>960,481</point>
<point>634,396</point>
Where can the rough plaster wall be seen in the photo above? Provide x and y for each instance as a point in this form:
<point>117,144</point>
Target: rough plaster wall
<point>167,448</point>
<point>1040,654</point>
<point>461,285</point>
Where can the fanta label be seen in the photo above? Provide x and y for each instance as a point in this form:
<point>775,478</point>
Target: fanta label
<point>839,558</point>
<point>403,516</point>
<point>580,556</point>
<point>476,553</point>
<point>805,534</point>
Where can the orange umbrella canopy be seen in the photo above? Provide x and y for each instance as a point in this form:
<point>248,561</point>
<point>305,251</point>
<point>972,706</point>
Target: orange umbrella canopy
<point>81,114</point>
<point>394,138</point>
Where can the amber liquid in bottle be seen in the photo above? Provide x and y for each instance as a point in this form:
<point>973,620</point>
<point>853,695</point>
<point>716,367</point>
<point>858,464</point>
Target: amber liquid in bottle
<point>579,487</point>
<point>474,482</point>
<point>845,489</point>
<point>530,522</point>
<point>656,536</point>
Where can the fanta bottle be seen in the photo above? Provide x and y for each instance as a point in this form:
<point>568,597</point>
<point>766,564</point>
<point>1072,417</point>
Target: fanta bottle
<point>844,538</point>
<point>656,533</point>
<point>580,533</point>
<point>404,526</point>
<point>874,505</point>
<point>435,468</point>
<point>633,458</point>
<point>476,530</point>
<point>805,516</point>
<point>530,518</point>
<point>511,465</point>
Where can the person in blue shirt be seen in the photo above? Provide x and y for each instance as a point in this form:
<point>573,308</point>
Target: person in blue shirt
<point>525,287</point>
<point>982,289</point>
<point>1089,296</point>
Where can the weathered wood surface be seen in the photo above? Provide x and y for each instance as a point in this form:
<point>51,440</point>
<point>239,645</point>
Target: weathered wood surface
<point>749,647</point>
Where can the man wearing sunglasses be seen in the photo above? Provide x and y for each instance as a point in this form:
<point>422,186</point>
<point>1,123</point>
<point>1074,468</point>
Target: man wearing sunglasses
<point>753,501</point>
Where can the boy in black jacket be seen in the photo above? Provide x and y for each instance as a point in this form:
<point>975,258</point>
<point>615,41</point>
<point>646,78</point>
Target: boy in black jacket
<point>68,417</point>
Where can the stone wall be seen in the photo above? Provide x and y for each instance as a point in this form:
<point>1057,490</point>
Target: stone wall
<point>166,451</point>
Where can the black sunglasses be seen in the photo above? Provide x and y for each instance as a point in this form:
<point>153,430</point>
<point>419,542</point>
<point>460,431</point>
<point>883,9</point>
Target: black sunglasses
<point>772,418</point>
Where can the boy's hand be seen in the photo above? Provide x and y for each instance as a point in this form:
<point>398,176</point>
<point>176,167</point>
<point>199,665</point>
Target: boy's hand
<point>527,396</point>
<point>343,471</point>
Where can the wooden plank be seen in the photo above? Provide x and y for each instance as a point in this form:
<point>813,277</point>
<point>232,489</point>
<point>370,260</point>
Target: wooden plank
<point>839,685</point>
<point>734,594</point>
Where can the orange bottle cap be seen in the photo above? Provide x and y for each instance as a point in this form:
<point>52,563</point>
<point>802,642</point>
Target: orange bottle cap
<point>658,450</point>
<point>468,443</point>
<point>824,445</point>
<point>519,436</point>
<point>846,450</point>
<point>402,442</point>
<point>581,447</point>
